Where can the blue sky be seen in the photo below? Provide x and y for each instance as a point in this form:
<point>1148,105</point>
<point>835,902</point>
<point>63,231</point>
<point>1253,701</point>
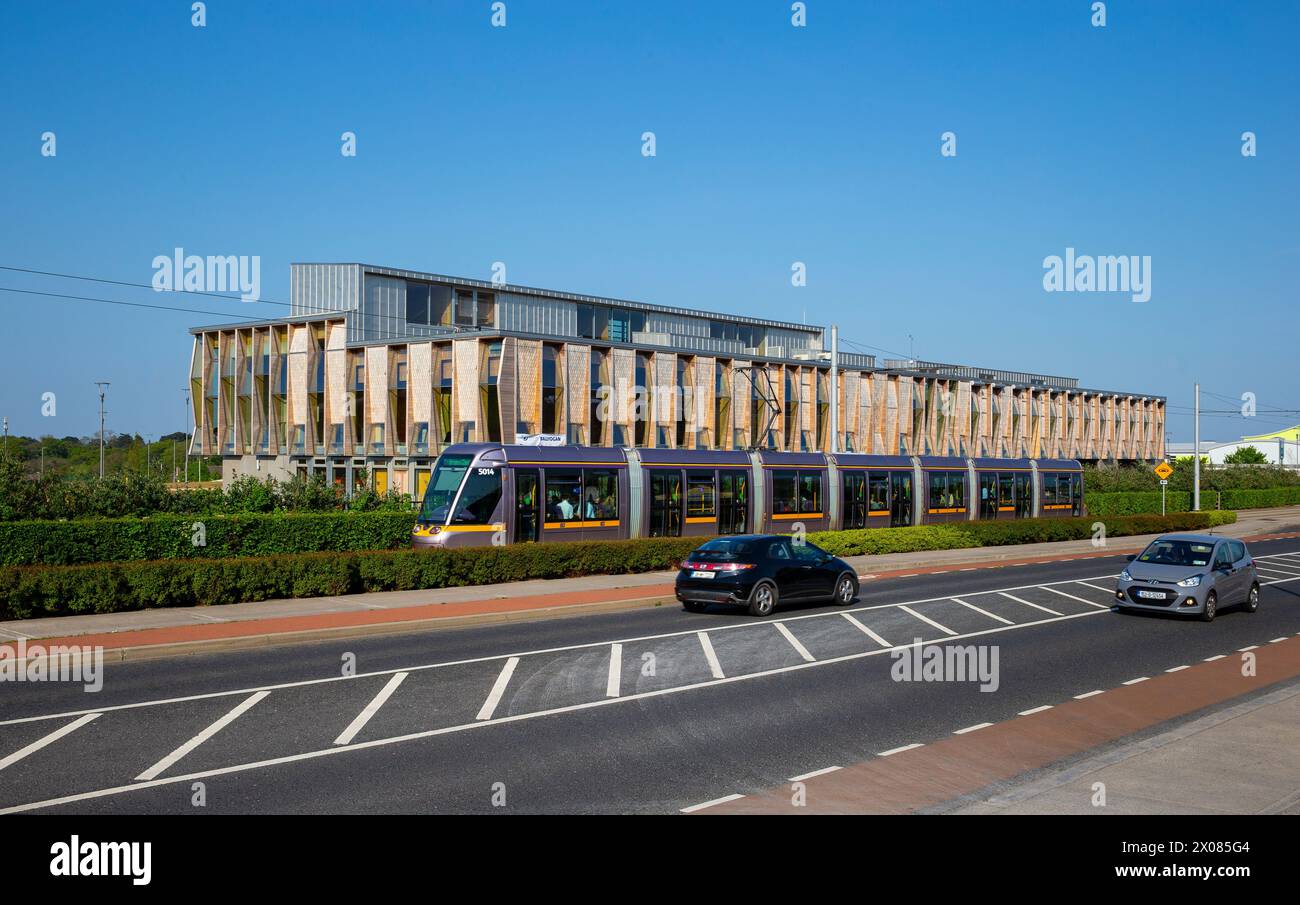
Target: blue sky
<point>775,144</point>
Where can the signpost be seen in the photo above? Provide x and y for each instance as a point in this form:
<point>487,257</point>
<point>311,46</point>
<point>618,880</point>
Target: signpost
<point>1163,471</point>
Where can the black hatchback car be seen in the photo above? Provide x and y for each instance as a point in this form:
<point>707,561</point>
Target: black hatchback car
<point>758,571</point>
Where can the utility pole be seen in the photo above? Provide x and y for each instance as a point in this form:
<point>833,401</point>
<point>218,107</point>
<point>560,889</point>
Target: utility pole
<point>185,425</point>
<point>6,435</point>
<point>101,384</point>
<point>1196,455</point>
<point>835,390</point>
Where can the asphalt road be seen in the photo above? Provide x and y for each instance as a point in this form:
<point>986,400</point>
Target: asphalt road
<point>626,712</point>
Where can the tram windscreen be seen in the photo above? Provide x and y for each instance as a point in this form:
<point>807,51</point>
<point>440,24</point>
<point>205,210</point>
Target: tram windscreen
<point>447,476</point>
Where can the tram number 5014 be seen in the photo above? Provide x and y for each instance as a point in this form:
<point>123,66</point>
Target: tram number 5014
<point>487,471</point>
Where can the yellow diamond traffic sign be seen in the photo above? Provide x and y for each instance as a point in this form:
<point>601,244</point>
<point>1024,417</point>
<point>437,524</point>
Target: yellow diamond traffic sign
<point>1163,471</point>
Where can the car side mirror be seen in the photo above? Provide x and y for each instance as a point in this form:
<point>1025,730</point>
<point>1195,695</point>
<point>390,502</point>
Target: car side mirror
<point>1130,557</point>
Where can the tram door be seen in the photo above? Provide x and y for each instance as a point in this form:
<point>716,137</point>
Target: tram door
<point>900,502</point>
<point>988,495</point>
<point>525,505</point>
<point>1024,496</point>
<point>855,499</point>
<point>665,503</point>
<point>733,502</point>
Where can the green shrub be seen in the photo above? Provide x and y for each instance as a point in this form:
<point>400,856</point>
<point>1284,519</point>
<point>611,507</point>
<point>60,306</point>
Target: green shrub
<point>45,590</point>
<point>173,536</point>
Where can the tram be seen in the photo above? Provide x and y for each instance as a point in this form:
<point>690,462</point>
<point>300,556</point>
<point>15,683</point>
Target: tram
<point>486,493</point>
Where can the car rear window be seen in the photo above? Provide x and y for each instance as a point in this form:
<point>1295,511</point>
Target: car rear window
<point>725,548</point>
<point>1177,553</point>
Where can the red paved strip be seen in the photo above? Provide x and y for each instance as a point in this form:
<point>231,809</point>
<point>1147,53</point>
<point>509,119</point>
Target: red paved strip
<point>283,624</point>
<point>245,628</point>
<point>960,765</point>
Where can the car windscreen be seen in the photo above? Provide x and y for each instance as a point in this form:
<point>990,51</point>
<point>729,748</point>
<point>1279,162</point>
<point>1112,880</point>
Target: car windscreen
<point>1177,553</point>
<point>726,549</point>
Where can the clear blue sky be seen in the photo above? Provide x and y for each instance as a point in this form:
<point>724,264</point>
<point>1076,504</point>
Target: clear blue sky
<point>775,144</point>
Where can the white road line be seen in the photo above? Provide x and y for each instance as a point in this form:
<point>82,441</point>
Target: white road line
<point>1093,586</point>
<point>893,751</point>
<point>1215,657</point>
<point>709,654</point>
<point>866,631</point>
<point>236,713</point>
<point>1137,680</point>
<point>1282,580</point>
<point>708,804</point>
<point>972,728</point>
<point>942,628</point>
<point>498,689</point>
<point>1031,711</point>
<point>1104,606</point>
<point>794,642</point>
<point>469,661</point>
<point>822,772</point>
<point>512,718</point>
<point>1027,603</point>
<point>615,679</point>
<point>47,739</point>
<point>1284,566</point>
<point>1178,668</point>
<point>1090,694</point>
<point>1278,640</point>
<point>348,734</point>
<point>971,606</point>
<point>1242,650</point>
<point>1266,570</point>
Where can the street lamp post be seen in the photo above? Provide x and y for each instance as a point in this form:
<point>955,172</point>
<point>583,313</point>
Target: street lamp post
<point>101,384</point>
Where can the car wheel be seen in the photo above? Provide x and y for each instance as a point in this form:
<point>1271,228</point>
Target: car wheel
<point>1211,607</point>
<point>845,590</point>
<point>763,600</point>
<point>1252,599</point>
<point>694,606</point>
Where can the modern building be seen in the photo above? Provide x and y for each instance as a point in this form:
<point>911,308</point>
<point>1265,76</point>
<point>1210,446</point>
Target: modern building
<point>375,370</point>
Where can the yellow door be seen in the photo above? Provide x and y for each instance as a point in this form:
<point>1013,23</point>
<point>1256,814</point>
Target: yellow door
<point>381,481</point>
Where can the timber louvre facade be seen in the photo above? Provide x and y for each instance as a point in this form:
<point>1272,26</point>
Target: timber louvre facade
<point>376,370</point>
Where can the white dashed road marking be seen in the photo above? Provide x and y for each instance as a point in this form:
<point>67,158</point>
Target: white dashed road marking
<point>236,713</point>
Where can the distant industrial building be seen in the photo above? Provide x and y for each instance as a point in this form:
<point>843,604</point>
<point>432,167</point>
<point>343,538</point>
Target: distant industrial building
<point>375,370</point>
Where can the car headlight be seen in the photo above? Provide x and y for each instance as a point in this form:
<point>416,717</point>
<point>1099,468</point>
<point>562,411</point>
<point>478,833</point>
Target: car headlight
<point>1124,576</point>
<point>1193,582</point>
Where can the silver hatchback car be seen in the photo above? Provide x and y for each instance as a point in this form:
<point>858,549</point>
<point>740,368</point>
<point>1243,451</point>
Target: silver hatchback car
<point>1191,574</point>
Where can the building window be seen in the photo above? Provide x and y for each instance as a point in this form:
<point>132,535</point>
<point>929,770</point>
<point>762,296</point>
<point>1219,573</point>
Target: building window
<point>440,305</point>
<point>464,307</point>
<point>599,395</point>
<point>552,387</point>
<point>417,303</point>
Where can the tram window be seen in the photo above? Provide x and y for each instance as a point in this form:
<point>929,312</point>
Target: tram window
<point>447,475</point>
<point>600,494</point>
<point>947,490</point>
<point>479,498</point>
<point>699,495</point>
<point>1049,489</point>
<point>1006,491</point>
<point>810,492</point>
<point>938,489</point>
<point>879,492</point>
<point>563,493</point>
<point>785,492</point>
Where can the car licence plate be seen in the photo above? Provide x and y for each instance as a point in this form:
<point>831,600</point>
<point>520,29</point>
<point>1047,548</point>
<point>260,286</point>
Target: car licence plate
<point>1152,595</point>
<point>703,574</point>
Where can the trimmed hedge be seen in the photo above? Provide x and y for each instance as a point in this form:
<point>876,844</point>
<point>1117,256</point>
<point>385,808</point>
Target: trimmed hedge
<point>1146,502</point>
<point>28,591</point>
<point>172,536</point>
<point>956,535</point>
